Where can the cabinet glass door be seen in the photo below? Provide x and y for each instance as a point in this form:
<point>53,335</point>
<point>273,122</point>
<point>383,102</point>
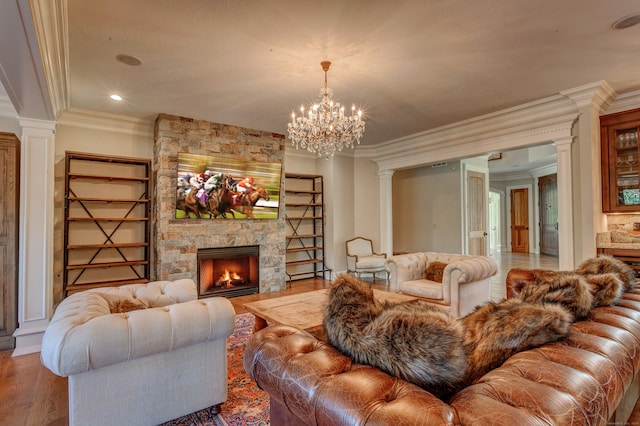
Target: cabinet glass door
<point>626,167</point>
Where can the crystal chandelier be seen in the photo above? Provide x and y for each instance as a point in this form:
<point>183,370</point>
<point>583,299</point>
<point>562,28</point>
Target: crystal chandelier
<point>325,128</point>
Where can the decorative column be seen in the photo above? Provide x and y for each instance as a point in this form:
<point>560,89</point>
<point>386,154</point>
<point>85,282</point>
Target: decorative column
<point>591,100</point>
<point>386,211</point>
<point>35,281</point>
<point>565,204</point>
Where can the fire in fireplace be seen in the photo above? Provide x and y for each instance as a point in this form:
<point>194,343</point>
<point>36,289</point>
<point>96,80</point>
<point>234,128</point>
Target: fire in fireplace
<point>228,271</point>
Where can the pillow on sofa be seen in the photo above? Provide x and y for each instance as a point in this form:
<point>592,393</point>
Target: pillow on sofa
<point>118,305</point>
<point>435,271</point>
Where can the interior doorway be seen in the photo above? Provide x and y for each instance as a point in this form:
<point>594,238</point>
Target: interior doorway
<point>495,240</point>
<point>476,213</point>
<point>548,189</point>
<point>519,220</point>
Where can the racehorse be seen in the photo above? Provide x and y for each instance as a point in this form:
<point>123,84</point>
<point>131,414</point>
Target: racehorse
<point>194,204</point>
<point>245,204</point>
<point>220,202</point>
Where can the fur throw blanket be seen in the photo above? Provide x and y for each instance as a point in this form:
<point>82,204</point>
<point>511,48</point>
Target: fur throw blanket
<point>423,345</point>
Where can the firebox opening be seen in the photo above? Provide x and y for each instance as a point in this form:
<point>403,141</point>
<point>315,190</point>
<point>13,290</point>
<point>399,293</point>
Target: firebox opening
<point>228,271</point>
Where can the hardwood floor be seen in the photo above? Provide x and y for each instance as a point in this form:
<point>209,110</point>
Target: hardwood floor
<point>31,395</point>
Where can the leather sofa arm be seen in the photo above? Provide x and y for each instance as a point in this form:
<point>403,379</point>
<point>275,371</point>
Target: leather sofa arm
<point>83,335</point>
<point>317,385</point>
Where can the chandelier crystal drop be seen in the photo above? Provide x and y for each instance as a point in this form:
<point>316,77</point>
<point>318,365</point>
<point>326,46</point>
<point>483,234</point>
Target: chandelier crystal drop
<point>325,128</point>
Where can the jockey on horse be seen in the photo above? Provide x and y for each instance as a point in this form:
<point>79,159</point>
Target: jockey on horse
<point>244,187</point>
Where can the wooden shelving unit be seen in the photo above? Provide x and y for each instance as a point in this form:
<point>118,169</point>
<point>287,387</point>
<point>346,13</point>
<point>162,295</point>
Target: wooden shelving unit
<point>106,222</point>
<point>305,219</point>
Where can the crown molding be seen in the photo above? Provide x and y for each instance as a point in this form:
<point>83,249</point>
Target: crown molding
<point>50,24</point>
<point>536,122</point>
<point>6,107</point>
<point>88,119</point>
<point>545,120</point>
<point>625,102</point>
<point>599,93</point>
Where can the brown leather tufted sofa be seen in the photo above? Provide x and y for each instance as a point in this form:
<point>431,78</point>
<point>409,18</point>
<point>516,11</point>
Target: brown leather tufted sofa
<point>588,379</point>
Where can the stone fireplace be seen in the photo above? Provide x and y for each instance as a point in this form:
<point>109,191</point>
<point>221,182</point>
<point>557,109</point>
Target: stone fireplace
<point>178,242</point>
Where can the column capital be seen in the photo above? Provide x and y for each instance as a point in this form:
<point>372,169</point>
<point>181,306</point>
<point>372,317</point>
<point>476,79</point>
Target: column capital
<point>386,173</point>
<point>563,142</point>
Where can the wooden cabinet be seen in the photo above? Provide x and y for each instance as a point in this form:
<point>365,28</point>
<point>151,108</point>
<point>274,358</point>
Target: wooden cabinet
<point>106,221</point>
<point>304,214</point>
<point>620,176</point>
<point>9,203</point>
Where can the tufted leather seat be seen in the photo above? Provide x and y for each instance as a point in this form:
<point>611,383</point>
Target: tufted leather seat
<point>145,366</point>
<point>587,379</point>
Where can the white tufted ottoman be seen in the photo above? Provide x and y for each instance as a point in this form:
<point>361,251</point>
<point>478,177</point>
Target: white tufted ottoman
<point>145,366</point>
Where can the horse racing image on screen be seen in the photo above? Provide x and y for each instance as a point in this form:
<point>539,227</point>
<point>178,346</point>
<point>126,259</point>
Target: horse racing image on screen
<point>226,188</point>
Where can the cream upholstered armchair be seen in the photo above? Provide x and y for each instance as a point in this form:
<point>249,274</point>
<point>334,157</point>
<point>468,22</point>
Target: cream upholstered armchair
<point>362,259</point>
<point>455,283</point>
<point>165,358</point>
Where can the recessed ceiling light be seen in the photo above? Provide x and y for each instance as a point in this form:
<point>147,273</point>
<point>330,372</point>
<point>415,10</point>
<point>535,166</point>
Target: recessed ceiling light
<point>116,97</point>
<point>129,60</point>
<point>626,22</point>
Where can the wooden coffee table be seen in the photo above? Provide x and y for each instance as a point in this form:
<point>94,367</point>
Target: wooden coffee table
<point>304,310</point>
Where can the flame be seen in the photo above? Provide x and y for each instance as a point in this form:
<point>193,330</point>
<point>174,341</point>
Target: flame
<point>227,278</point>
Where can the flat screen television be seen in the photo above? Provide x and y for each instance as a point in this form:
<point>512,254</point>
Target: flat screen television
<point>210,187</point>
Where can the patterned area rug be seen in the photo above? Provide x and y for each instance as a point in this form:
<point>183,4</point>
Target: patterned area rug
<point>246,404</point>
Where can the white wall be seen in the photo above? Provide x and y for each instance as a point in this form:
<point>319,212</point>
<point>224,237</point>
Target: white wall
<point>427,209</point>
<point>10,125</point>
<point>366,196</point>
<point>104,142</point>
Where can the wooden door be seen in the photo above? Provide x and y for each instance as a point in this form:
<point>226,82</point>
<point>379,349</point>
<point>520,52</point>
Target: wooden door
<point>548,188</point>
<point>476,214</point>
<point>520,220</point>
<point>9,202</point>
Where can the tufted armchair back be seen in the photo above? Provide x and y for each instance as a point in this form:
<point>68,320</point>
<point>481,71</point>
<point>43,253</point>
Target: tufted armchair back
<point>466,280</point>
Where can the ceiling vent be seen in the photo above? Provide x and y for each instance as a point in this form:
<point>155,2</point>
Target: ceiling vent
<point>441,164</point>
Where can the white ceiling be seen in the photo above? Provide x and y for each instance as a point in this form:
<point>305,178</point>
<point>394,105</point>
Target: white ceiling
<point>412,65</point>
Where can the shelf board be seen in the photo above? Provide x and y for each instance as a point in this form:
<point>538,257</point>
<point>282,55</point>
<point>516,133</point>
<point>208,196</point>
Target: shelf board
<point>107,178</point>
<point>295,237</point>
<point>303,217</point>
<point>110,200</point>
<point>304,262</point>
<point>107,219</point>
<point>108,264</point>
<point>71,288</point>
<point>99,246</point>
<point>301,249</point>
<point>301,191</point>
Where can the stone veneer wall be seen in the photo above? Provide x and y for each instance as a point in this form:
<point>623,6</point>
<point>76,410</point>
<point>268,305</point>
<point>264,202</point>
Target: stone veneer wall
<point>177,240</point>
